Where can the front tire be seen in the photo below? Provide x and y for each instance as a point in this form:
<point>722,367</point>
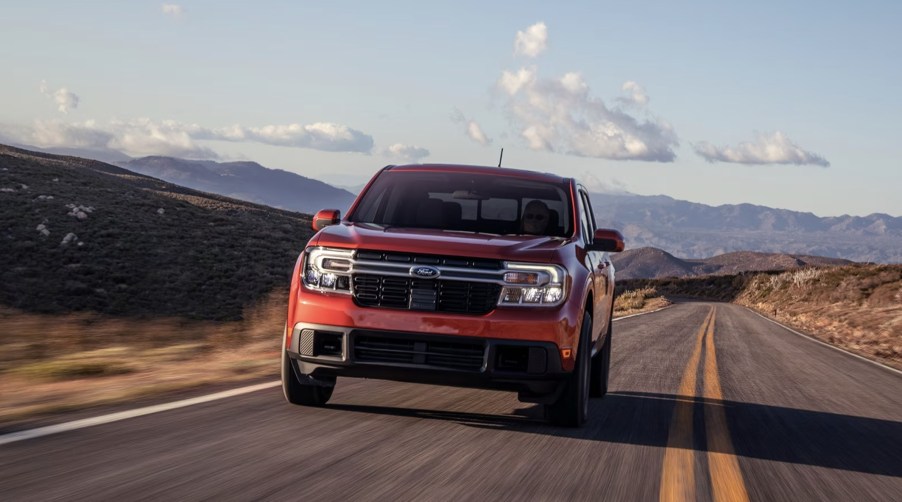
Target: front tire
<point>572,408</point>
<point>309,393</point>
<point>601,365</point>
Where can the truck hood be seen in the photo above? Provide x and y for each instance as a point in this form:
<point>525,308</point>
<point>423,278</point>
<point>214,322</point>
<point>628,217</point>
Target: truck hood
<point>533,248</point>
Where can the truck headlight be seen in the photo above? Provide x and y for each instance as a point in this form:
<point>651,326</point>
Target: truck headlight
<point>530,284</point>
<point>328,270</point>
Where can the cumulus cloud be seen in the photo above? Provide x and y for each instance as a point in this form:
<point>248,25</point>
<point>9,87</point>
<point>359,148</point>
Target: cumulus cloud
<point>149,137</point>
<point>594,184</point>
<point>171,9</point>
<point>73,135</point>
<point>562,115</point>
<point>135,137</point>
<point>533,41</point>
<point>319,136</point>
<point>635,94</point>
<point>65,99</point>
<point>405,153</point>
<point>512,82</point>
<point>475,133</point>
<point>767,148</point>
<point>472,128</point>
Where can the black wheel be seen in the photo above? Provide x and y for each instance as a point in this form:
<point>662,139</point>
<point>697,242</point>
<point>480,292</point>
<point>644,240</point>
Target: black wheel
<point>301,389</point>
<point>601,366</point>
<point>572,408</point>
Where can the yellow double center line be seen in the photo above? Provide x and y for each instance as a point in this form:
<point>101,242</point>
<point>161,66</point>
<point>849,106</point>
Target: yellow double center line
<point>678,475</point>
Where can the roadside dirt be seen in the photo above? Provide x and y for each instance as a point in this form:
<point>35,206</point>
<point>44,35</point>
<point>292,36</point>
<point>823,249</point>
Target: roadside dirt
<point>54,363</point>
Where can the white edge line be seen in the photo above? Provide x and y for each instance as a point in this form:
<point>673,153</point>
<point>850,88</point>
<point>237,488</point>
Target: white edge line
<point>123,415</point>
<point>825,344</point>
<point>642,313</point>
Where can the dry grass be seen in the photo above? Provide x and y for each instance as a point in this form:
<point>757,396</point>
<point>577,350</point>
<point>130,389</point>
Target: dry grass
<point>51,363</point>
<point>639,300</point>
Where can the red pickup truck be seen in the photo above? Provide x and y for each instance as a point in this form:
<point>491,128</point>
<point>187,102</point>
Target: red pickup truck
<point>457,275</point>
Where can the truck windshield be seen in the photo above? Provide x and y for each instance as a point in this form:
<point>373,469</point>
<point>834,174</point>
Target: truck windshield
<point>466,202</point>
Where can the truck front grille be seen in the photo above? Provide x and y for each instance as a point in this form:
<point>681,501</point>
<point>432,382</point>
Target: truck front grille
<point>462,297</point>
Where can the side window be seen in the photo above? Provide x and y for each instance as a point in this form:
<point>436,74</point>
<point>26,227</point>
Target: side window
<point>583,219</point>
<point>590,215</point>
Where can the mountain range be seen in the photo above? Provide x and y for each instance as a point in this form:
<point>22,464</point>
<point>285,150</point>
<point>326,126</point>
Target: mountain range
<point>693,230</point>
<point>686,229</point>
<point>246,181</point>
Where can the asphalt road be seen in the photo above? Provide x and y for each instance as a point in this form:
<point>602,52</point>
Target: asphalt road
<point>707,402</point>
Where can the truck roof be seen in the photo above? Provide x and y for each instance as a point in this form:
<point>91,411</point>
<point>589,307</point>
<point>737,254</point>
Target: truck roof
<point>495,171</point>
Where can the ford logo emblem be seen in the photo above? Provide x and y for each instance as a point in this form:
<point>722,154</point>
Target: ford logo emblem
<point>425,272</point>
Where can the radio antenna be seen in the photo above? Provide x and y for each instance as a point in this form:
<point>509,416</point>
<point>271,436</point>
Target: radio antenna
<point>500,156</point>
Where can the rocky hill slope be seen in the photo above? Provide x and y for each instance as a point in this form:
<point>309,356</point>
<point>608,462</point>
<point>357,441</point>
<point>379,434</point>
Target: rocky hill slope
<point>78,234</point>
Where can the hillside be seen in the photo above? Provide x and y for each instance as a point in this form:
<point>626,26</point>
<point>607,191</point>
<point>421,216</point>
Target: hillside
<point>246,181</point>
<point>653,263</point>
<point>83,235</point>
<point>698,230</point>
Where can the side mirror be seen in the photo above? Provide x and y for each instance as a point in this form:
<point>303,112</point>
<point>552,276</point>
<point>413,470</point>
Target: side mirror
<point>606,239</point>
<point>325,217</point>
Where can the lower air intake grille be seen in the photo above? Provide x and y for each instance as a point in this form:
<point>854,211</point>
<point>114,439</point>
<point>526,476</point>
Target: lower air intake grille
<point>388,349</point>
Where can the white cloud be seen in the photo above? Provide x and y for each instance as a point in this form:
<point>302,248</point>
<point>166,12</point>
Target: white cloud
<point>513,82</point>
<point>635,94</point>
<point>405,153</point>
<point>51,133</point>
<point>561,115</point>
<point>533,41</point>
<point>143,136</point>
<point>472,128</point>
<point>594,184</point>
<point>65,99</point>
<point>573,83</point>
<point>319,136</point>
<point>773,148</point>
<point>475,133</point>
<point>171,9</point>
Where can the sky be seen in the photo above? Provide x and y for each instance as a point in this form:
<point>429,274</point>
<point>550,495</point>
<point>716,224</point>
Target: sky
<point>791,105</point>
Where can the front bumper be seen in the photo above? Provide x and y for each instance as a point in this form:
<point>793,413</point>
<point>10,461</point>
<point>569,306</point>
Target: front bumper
<point>534,369</point>
<point>556,325</point>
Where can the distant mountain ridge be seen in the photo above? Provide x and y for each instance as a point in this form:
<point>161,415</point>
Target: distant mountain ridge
<point>654,263</point>
<point>698,230</point>
<point>246,181</point>
<point>686,229</point>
